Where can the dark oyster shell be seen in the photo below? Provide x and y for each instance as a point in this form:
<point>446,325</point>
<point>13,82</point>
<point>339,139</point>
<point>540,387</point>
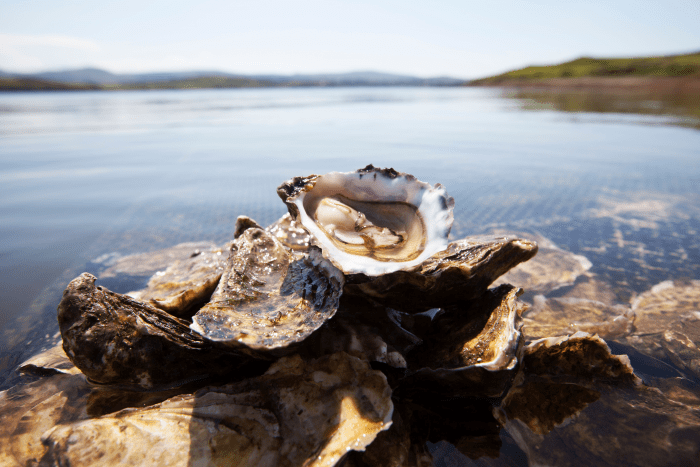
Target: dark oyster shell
<point>470,349</point>
<point>461,272</point>
<point>115,339</point>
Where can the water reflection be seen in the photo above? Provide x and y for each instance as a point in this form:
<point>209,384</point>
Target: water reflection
<point>683,107</point>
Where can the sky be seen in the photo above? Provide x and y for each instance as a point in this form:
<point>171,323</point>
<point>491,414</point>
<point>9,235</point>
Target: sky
<point>462,39</point>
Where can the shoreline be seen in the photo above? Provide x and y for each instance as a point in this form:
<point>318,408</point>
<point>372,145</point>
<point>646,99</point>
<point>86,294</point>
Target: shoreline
<point>628,84</point>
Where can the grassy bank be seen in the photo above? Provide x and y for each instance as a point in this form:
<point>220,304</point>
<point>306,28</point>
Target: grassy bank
<point>31,84</point>
<point>596,71</point>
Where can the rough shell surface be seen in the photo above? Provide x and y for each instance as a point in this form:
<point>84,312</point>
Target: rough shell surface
<point>461,272</point>
<point>472,348</point>
<point>115,339</point>
<point>372,221</point>
<point>291,233</point>
<point>298,413</point>
<point>267,299</point>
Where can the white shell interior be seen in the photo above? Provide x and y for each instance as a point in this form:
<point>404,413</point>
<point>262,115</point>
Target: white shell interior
<point>397,209</point>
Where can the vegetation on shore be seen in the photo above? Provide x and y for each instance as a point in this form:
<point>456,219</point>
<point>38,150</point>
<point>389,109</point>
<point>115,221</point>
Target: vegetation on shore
<point>32,84</point>
<point>686,65</point>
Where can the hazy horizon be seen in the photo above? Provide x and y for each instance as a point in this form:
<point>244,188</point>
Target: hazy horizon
<point>457,39</point>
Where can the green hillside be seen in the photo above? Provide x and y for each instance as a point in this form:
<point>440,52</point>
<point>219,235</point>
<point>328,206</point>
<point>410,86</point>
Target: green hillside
<point>667,66</point>
<point>31,84</point>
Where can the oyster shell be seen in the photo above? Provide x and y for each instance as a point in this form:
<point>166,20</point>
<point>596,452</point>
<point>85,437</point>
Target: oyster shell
<point>267,300</point>
<point>573,396</point>
<point>471,349</point>
<point>372,221</point>
<point>298,413</point>
<point>461,272</point>
<point>114,339</point>
<point>186,284</point>
<point>667,324</point>
<point>291,233</point>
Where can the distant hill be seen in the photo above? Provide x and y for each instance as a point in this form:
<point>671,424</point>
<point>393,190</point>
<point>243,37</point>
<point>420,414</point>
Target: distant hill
<point>686,65</point>
<point>101,79</point>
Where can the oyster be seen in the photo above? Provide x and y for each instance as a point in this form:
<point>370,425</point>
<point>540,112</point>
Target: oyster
<point>373,221</point>
<point>470,349</point>
<point>114,339</point>
<point>667,324</point>
<point>298,413</point>
<point>267,300</point>
<point>291,233</point>
<point>461,272</point>
<point>186,284</point>
<point>559,409</point>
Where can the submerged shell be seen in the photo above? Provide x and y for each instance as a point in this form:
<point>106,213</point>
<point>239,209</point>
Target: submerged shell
<point>552,269</point>
<point>461,272</point>
<point>470,349</point>
<point>667,324</point>
<point>373,221</point>
<point>573,396</point>
<point>267,299</point>
<point>298,413</point>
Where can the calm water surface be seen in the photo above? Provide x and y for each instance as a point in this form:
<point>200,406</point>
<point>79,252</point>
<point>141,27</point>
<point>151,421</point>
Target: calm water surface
<point>90,176</point>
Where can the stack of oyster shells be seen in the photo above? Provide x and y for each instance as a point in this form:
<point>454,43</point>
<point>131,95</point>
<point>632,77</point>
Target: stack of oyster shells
<point>338,333</point>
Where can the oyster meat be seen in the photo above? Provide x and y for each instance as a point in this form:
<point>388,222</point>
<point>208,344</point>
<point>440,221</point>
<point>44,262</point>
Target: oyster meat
<point>373,221</point>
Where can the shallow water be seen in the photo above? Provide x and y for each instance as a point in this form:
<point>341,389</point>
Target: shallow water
<point>90,177</point>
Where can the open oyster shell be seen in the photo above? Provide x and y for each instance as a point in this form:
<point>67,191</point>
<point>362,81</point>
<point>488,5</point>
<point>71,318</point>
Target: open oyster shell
<point>373,221</point>
<point>267,298</point>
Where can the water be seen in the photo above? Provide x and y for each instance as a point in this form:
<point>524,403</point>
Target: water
<point>93,175</point>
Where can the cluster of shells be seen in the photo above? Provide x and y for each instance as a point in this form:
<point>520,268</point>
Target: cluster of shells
<point>342,333</point>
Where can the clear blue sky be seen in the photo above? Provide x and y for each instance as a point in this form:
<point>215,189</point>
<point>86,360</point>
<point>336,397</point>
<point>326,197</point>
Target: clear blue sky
<point>465,39</point>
